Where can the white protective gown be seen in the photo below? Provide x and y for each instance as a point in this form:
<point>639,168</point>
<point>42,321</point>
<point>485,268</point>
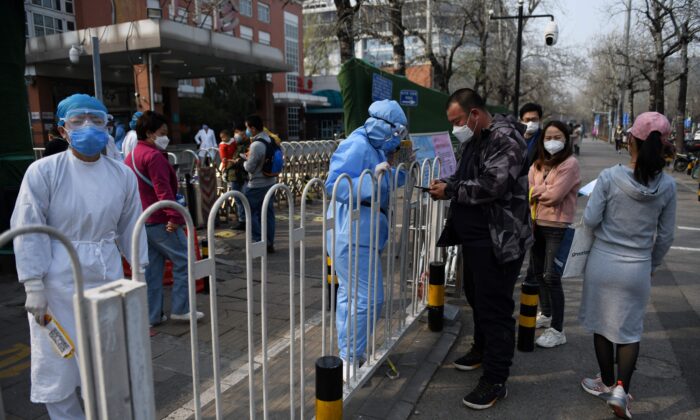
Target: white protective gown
<point>111,150</point>
<point>129,143</point>
<point>95,204</point>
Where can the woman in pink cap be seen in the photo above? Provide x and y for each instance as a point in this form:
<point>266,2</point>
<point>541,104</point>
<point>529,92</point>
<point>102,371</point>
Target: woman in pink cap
<point>632,212</point>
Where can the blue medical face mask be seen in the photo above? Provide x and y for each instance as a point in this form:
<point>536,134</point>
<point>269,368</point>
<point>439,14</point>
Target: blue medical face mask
<point>88,140</point>
<point>248,133</point>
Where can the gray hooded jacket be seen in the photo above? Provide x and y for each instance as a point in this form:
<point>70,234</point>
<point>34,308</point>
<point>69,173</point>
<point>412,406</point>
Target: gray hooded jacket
<point>635,219</point>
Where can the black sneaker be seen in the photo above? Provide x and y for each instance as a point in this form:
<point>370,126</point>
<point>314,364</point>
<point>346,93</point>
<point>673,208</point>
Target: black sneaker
<point>470,361</point>
<point>485,395</point>
<point>270,249</point>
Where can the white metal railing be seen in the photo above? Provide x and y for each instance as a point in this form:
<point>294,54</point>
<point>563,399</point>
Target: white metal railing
<point>413,222</point>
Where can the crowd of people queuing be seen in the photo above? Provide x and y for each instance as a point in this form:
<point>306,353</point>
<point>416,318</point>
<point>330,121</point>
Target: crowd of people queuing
<point>515,190</point>
<point>513,196</point>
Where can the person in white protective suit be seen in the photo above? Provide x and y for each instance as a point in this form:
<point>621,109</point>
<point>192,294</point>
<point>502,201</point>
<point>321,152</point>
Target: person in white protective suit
<point>206,139</point>
<point>95,202</point>
<point>366,148</point>
<point>131,139</point>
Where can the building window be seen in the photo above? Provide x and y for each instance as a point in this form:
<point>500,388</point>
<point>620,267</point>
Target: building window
<point>264,37</point>
<point>292,82</point>
<point>263,12</point>
<point>246,7</point>
<point>69,6</point>
<point>293,122</point>
<point>46,25</point>
<point>246,33</point>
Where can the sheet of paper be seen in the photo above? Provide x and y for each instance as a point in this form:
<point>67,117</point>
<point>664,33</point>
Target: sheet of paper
<point>587,189</point>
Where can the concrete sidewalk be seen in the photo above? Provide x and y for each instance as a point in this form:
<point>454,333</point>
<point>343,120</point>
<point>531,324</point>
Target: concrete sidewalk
<point>544,384</point>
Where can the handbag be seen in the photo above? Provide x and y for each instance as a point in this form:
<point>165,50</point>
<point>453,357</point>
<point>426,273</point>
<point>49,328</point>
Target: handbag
<point>577,256</point>
<point>562,254</point>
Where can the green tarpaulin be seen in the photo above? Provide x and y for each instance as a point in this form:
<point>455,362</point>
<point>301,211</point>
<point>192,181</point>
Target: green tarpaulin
<point>361,84</point>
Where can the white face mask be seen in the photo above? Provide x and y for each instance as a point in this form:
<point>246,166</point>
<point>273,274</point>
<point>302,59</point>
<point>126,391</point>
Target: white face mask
<point>162,142</point>
<point>554,146</point>
<point>463,132</point>
<point>532,127</point>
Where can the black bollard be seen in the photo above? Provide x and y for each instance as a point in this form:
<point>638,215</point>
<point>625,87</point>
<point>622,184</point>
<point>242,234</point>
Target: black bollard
<point>329,388</point>
<point>436,296</point>
<point>204,250</point>
<point>529,296</point>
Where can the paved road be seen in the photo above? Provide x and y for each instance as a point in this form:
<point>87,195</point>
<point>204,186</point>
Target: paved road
<point>545,384</point>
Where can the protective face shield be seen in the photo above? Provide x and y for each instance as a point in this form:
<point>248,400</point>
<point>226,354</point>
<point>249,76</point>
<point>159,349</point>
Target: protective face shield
<point>162,142</point>
<point>554,146</point>
<point>386,126</point>
<point>77,118</point>
<point>532,127</point>
<point>88,140</point>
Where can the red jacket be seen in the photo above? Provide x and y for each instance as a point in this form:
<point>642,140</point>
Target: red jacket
<point>153,164</point>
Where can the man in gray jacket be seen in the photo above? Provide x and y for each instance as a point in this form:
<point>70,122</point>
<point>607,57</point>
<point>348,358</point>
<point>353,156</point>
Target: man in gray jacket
<point>258,183</point>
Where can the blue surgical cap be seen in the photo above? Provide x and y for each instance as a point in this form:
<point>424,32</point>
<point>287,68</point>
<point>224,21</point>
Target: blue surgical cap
<point>134,118</point>
<point>78,101</point>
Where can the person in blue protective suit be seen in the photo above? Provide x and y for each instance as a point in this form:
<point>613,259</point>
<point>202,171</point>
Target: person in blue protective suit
<point>366,148</point>
<point>94,201</point>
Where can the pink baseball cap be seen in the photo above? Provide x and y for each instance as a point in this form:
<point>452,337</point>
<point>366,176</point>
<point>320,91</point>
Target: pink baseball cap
<point>647,122</point>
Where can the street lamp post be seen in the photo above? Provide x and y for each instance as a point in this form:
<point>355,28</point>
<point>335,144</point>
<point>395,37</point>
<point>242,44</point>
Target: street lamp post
<point>550,39</point>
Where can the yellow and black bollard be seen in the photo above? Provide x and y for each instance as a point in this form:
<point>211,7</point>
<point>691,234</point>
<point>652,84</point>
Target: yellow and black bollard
<point>329,388</point>
<point>529,296</point>
<point>436,295</point>
<point>332,284</point>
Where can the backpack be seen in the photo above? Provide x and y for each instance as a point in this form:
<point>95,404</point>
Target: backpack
<point>274,159</point>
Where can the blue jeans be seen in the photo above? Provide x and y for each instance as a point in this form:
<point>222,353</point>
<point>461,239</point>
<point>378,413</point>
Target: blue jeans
<point>256,196</point>
<point>240,211</point>
<point>173,246</point>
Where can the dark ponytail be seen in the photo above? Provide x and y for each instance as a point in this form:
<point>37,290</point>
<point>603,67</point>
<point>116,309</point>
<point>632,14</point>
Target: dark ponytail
<point>650,158</point>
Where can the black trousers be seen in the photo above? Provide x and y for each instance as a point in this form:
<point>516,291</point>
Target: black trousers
<point>488,286</point>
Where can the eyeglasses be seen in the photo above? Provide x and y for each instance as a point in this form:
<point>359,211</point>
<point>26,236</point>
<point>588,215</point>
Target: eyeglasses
<point>77,118</point>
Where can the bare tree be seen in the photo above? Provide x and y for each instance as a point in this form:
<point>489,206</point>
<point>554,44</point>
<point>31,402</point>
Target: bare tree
<point>397,35</point>
<point>345,28</point>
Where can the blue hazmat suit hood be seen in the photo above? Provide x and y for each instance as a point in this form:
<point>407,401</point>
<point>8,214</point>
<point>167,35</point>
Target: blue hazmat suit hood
<point>78,101</point>
<point>381,134</point>
<point>134,119</point>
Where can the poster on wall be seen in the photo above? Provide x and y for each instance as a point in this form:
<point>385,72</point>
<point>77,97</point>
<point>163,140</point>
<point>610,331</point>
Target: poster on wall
<point>431,145</point>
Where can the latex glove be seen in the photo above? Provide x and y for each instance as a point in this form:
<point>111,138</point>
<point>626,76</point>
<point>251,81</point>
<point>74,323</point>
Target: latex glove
<point>384,166</point>
<point>36,303</point>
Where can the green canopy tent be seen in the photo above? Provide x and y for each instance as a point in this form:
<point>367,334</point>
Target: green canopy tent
<point>361,84</point>
<point>16,152</point>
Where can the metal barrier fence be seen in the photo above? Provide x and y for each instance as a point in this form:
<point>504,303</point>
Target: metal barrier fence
<point>412,225</point>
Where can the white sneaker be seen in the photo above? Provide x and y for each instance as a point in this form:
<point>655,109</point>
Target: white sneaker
<point>551,338</point>
<point>595,386</point>
<point>185,317</point>
<point>543,321</point>
<point>619,402</point>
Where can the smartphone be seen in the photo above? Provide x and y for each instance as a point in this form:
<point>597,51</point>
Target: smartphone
<point>424,189</point>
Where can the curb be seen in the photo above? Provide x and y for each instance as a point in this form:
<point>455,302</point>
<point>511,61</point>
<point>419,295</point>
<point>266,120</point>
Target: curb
<point>396,400</point>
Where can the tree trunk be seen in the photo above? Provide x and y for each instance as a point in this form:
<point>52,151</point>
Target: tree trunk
<point>659,85</point>
<point>630,86</point>
<point>397,36</point>
<point>345,29</point>
<point>682,88</point>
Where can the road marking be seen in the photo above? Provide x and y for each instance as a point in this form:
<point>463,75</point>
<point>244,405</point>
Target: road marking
<point>683,248</point>
<point>688,228</point>
<point>17,353</point>
<point>278,346</point>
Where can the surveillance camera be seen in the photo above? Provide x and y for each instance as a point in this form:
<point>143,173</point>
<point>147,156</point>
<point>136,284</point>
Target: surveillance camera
<point>491,12</point>
<point>74,54</point>
<point>136,94</point>
<point>551,33</point>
